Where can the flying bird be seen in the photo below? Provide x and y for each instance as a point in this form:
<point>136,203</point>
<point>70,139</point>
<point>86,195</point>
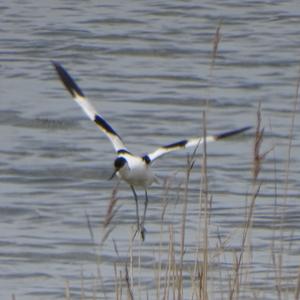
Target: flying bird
<point>133,169</point>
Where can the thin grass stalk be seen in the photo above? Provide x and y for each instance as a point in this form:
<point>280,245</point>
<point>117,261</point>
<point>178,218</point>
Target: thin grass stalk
<point>195,280</point>
<point>98,257</point>
<point>277,259</point>
<point>128,284</point>
<point>116,282</point>
<point>277,262</point>
<point>291,134</point>
<point>159,268</point>
<point>111,212</point>
<point>94,289</point>
<point>221,278</point>
<point>196,272</point>
<point>174,277</point>
<point>118,279</point>
<point>203,294</point>
<point>174,269</point>
<point>190,163</point>
<point>287,174</point>
<point>179,274</point>
<point>82,295</point>
<point>201,272</point>
<point>204,269</point>
<point>275,209</point>
<point>139,268</point>
<point>166,189</point>
<point>67,290</point>
<point>112,203</point>
<point>297,290</point>
<point>169,265</point>
<point>121,284</point>
<point>130,279</point>
<point>216,41</point>
<point>256,185</point>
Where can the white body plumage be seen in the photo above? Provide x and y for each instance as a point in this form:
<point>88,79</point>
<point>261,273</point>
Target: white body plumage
<point>136,172</point>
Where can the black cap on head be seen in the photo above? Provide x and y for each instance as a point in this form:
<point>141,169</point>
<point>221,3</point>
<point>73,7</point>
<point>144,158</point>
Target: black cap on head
<point>119,163</point>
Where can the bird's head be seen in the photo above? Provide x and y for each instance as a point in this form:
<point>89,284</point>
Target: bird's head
<point>119,163</point>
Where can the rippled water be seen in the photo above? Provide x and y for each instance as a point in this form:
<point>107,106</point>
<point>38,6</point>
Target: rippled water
<point>147,68</point>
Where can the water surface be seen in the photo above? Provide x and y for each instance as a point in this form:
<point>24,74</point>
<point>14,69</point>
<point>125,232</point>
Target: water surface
<point>147,68</point>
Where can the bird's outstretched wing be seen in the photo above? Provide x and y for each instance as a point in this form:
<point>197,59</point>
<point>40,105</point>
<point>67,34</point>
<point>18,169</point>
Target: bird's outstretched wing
<point>191,143</point>
<point>88,108</point>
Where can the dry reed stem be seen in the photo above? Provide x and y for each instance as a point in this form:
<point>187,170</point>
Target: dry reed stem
<point>166,284</point>
<point>277,262</point>
<point>98,257</point>
<point>112,202</point>
<point>128,284</point>
<point>277,259</point>
<point>111,212</point>
<point>256,185</point>
<point>216,41</point>
<point>169,265</point>
<point>90,228</point>
<point>275,206</point>
<point>190,164</point>
<point>117,296</point>
<point>67,290</point>
<point>291,134</point>
<point>131,264</point>
<point>118,280</point>
<point>204,200</point>
<point>167,187</point>
<point>286,187</point>
<point>297,291</point>
<point>158,290</point>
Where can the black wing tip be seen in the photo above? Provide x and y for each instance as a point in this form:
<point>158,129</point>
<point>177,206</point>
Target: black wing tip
<point>55,63</point>
<point>67,80</point>
<point>180,144</point>
<point>232,132</point>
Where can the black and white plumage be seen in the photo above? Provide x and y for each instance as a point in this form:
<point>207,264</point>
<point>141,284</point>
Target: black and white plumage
<point>135,170</point>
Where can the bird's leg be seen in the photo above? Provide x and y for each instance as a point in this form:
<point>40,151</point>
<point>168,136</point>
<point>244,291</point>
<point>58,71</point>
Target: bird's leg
<point>143,230</point>
<point>136,208</point>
